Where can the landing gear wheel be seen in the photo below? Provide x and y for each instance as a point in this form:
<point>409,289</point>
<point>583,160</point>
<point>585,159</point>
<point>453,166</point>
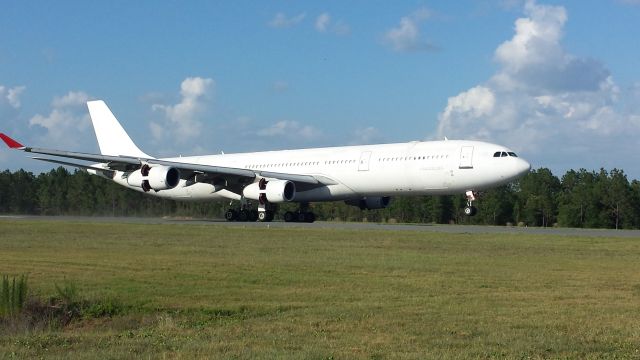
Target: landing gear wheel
<point>270,216</point>
<point>289,216</point>
<point>243,215</point>
<point>302,217</point>
<point>231,215</point>
<point>310,217</point>
<point>265,216</point>
<point>253,215</point>
<point>470,210</point>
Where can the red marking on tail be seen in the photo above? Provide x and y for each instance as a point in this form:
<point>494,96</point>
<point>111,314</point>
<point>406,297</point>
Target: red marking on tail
<point>10,142</point>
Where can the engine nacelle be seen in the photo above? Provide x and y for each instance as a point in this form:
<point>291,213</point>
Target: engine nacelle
<point>154,178</point>
<point>275,191</point>
<point>370,202</point>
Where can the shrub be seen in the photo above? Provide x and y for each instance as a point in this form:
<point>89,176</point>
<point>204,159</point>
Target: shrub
<point>13,295</point>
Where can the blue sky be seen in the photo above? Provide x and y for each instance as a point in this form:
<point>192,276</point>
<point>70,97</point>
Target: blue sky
<point>559,82</point>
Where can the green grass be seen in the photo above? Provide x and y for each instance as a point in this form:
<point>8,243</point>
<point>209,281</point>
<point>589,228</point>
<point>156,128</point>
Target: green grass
<point>202,291</point>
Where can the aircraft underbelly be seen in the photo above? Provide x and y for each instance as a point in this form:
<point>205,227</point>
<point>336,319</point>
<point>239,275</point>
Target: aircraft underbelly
<point>325,193</point>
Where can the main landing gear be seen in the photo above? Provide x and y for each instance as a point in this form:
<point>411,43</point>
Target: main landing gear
<point>470,210</point>
<point>302,215</point>
<point>241,215</point>
<point>266,213</point>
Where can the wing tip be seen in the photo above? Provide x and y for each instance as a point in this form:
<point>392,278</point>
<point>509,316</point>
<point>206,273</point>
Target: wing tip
<point>10,142</point>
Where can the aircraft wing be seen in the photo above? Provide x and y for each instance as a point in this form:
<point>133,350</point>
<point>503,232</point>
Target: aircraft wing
<point>187,170</point>
<point>107,172</point>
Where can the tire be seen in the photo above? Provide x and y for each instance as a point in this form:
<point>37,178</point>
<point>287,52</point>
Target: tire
<point>262,216</point>
<point>243,215</point>
<point>470,210</point>
<point>270,216</point>
<point>289,216</point>
<point>310,217</point>
<point>231,215</point>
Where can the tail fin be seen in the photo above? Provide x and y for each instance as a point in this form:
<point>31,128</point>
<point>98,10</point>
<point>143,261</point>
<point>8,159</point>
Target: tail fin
<point>112,138</point>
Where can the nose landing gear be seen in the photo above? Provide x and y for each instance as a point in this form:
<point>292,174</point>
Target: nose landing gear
<point>470,210</point>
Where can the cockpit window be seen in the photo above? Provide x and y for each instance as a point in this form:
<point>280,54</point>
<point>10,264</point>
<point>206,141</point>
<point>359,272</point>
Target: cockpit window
<point>504,154</point>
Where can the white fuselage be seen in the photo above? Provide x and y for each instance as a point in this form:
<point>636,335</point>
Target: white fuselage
<point>414,168</point>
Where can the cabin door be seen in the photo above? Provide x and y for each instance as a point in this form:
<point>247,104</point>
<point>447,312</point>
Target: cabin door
<point>363,165</point>
<point>466,157</point>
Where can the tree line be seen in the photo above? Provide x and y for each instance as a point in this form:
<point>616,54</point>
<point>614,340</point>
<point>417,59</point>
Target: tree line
<point>582,198</point>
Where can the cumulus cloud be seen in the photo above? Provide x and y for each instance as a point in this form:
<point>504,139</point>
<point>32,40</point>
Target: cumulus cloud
<point>68,123</point>
<point>291,130</point>
<point>11,95</point>
<point>406,36</point>
<point>545,100</point>
<point>280,20</point>
<point>182,119</point>
<point>324,24</point>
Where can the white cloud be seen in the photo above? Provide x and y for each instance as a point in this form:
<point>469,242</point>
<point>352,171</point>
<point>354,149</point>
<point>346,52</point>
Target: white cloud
<point>68,123</point>
<point>181,119</point>
<point>325,24</point>
<point>280,20</point>
<point>292,130</point>
<point>11,95</point>
<point>367,135</point>
<point>406,36</point>
<point>545,101</point>
<point>322,22</point>
<point>73,98</point>
<point>341,28</point>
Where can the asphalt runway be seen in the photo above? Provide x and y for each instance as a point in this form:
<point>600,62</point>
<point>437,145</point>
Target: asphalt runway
<point>452,229</point>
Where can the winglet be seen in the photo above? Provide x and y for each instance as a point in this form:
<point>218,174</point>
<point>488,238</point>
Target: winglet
<point>10,142</point>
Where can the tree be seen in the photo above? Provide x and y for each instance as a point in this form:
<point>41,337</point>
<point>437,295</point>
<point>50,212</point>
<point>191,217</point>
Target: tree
<point>578,201</point>
<point>538,197</point>
<point>616,198</point>
<point>495,206</point>
<point>22,194</point>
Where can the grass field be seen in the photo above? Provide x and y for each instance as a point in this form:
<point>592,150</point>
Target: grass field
<point>201,291</point>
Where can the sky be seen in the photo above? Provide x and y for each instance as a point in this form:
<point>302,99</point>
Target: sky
<point>556,81</point>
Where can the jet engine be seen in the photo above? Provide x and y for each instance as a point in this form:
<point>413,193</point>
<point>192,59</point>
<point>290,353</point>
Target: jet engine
<point>275,191</point>
<point>154,178</point>
<point>370,202</point>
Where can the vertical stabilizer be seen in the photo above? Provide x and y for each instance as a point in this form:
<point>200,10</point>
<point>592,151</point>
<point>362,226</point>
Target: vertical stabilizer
<point>112,138</point>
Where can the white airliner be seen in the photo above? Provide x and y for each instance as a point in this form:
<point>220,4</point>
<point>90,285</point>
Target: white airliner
<point>366,176</point>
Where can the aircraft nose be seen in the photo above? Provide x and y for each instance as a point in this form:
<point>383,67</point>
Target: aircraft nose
<point>523,167</point>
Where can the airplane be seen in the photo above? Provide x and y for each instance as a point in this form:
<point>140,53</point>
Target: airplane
<point>366,176</point>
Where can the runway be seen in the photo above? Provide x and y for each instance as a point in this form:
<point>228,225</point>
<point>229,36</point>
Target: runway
<point>434,228</point>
